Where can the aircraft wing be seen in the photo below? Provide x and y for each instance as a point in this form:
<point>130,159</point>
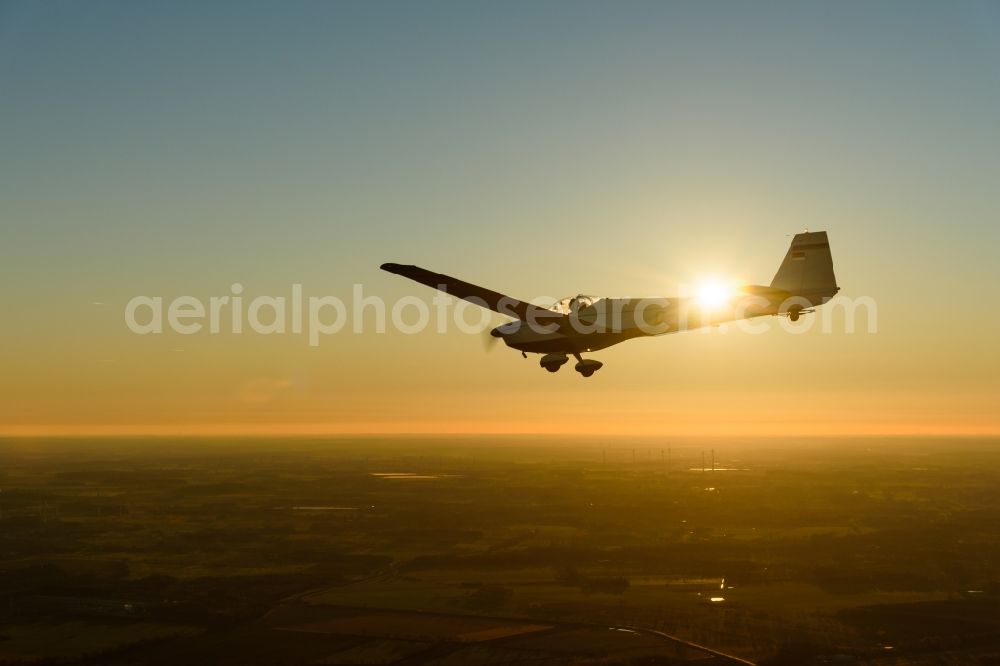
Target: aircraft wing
<point>480,296</point>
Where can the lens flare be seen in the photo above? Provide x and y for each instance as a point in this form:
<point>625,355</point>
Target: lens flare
<point>713,294</point>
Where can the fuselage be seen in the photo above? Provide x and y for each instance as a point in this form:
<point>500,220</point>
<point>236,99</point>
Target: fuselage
<point>590,324</point>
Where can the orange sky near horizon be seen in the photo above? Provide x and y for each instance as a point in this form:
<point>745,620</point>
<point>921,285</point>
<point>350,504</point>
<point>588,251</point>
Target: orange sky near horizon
<point>756,416</point>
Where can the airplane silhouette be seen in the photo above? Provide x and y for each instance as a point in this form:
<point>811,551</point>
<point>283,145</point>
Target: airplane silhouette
<point>582,323</point>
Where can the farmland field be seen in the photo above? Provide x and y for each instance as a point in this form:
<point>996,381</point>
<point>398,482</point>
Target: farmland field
<point>496,550</point>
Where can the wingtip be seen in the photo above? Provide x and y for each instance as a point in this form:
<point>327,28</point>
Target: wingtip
<point>405,270</point>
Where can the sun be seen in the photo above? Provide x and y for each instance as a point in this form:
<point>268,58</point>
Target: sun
<point>713,294</point>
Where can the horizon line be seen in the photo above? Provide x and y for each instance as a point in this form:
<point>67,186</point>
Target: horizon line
<point>314,430</point>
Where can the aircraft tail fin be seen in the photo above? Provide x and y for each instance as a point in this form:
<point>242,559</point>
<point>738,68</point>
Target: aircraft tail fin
<point>808,268</point>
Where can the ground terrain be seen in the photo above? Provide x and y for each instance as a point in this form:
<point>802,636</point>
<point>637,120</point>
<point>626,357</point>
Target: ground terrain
<point>488,550</point>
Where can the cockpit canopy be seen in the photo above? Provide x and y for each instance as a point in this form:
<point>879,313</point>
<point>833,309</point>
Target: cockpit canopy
<point>574,303</point>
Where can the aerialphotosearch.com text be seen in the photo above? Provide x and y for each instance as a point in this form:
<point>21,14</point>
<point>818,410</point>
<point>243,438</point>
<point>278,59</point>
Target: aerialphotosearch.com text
<point>316,317</point>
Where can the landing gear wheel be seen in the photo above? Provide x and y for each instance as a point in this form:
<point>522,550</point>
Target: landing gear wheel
<point>794,313</point>
<point>587,367</point>
<point>552,362</point>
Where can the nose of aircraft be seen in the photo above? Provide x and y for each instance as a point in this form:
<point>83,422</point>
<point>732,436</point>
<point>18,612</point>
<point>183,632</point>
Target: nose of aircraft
<point>496,333</point>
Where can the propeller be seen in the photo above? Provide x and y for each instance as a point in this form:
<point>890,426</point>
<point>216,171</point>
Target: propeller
<point>490,340</point>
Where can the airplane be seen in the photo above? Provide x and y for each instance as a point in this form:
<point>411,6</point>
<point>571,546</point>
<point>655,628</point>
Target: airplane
<point>580,324</point>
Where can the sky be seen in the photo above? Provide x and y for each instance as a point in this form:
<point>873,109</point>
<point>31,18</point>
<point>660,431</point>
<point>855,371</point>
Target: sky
<point>540,149</point>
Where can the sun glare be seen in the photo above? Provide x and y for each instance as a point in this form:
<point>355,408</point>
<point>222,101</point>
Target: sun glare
<point>713,294</point>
